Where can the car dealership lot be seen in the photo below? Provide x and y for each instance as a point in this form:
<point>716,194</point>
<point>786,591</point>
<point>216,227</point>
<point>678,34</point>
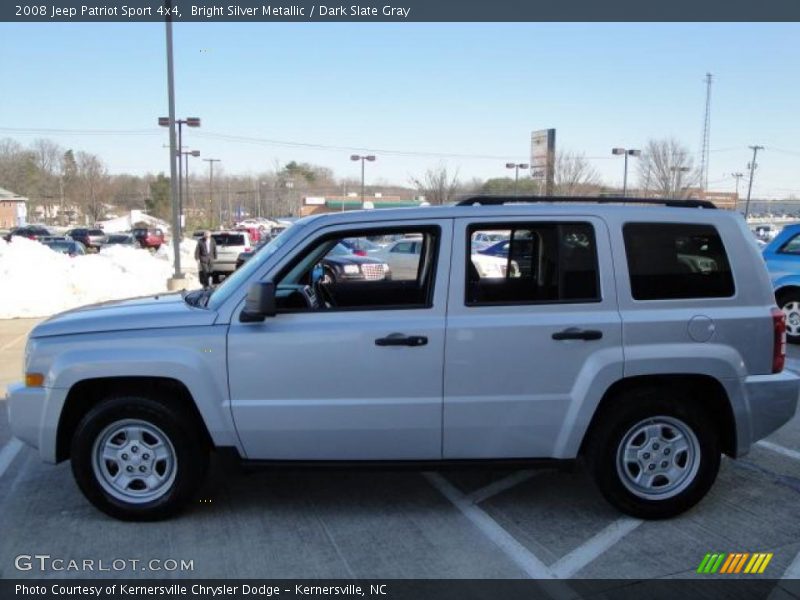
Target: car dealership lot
<point>482,523</point>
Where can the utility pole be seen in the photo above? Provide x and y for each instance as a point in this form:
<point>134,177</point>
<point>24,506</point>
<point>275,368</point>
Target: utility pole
<point>705,148</point>
<point>738,176</point>
<point>211,162</point>
<point>177,278</point>
<point>753,165</point>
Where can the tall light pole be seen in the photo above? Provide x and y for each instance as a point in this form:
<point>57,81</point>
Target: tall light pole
<point>173,147</point>
<point>370,158</point>
<point>516,167</point>
<point>753,166</point>
<point>211,162</point>
<point>676,177</point>
<point>176,151</point>
<point>626,152</point>
<point>186,154</point>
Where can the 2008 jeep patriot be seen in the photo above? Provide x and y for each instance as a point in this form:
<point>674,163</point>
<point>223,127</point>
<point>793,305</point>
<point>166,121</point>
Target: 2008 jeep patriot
<point>642,338</point>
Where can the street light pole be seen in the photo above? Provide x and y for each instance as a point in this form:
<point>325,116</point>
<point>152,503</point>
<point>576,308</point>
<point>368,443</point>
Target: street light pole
<point>676,177</point>
<point>211,162</point>
<point>626,152</point>
<point>172,152</point>
<point>516,167</point>
<point>755,150</point>
<point>369,157</point>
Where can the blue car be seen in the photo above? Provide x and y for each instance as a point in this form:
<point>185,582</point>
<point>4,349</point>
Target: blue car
<point>783,263</point>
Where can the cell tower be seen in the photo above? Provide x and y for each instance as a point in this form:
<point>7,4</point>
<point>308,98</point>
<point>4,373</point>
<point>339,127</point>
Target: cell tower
<point>706,137</point>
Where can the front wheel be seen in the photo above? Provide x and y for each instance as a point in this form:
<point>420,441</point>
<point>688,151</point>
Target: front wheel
<point>653,457</point>
<point>789,302</point>
<point>137,458</point>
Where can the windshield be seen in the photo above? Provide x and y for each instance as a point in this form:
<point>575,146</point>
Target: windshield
<point>223,292</point>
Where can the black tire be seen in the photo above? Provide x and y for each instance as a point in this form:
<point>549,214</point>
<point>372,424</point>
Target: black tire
<point>625,415</point>
<point>186,442</point>
<point>789,302</point>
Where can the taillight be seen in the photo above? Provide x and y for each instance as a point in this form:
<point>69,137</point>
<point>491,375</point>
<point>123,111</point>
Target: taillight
<point>779,341</point>
<point>247,249</point>
<point>360,253</point>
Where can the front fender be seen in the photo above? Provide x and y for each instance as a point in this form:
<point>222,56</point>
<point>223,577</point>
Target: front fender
<point>197,360</point>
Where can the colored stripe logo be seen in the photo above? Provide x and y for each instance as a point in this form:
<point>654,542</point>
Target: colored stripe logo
<point>734,562</point>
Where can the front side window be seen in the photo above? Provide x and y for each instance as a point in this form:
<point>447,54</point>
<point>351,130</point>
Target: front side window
<point>532,263</point>
<point>349,272</point>
<point>668,261</point>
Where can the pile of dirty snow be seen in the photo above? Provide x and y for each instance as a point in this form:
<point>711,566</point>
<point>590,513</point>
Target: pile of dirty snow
<point>38,282</point>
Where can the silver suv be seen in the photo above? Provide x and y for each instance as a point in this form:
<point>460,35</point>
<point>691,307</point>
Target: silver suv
<point>230,244</point>
<point>642,339</point>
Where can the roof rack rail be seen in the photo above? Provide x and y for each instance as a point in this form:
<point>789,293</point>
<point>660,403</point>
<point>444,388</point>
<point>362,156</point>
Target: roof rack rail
<point>500,200</point>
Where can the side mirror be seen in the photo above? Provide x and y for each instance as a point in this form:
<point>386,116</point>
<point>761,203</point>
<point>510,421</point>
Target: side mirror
<point>260,302</point>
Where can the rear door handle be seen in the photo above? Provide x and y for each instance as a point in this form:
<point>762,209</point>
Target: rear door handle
<point>400,339</point>
<point>573,333</point>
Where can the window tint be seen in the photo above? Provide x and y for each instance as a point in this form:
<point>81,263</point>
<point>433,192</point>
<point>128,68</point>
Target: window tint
<point>671,260</point>
<point>229,239</point>
<point>537,263</point>
<point>345,276</point>
<point>792,246</point>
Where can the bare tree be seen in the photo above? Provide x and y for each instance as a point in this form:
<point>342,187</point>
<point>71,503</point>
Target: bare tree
<point>47,157</point>
<point>93,181</point>
<point>666,168</point>
<point>574,176</point>
<point>437,185</point>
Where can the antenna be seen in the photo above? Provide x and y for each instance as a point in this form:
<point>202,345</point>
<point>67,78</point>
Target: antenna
<point>706,137</point>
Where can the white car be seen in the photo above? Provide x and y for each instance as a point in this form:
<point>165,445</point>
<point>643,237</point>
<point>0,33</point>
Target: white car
<point>402,257</point>
<point>230,244</point>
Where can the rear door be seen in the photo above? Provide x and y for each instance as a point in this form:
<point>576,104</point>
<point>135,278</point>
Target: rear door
<point>530,346</point>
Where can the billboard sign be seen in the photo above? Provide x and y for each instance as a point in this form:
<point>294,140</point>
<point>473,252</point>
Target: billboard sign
<point>543,157</point>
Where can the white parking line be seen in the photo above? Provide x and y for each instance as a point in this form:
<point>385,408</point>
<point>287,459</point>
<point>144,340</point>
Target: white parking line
<point>778,449</point>
<point>518,553</point>
<point>13,342</point>
<point>8,454</point>
<point>501,485</point>
<point>587,552</point>
<point>793,570</point>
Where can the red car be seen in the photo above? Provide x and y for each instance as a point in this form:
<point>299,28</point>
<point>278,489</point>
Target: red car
<point>149,238</point>
<point>254,233</point>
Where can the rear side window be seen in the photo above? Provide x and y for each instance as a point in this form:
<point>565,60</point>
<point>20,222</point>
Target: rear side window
<point>669,261</point>
<point>542,262</point>
<point>229,239</point>
<point>792,246</point>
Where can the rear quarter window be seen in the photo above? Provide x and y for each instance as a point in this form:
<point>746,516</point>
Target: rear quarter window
<point>670,261</point>
<point>229,239</point>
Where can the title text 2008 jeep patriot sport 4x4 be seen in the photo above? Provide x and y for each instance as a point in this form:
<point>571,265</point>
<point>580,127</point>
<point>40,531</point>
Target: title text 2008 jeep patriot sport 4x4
<point>644,339</point>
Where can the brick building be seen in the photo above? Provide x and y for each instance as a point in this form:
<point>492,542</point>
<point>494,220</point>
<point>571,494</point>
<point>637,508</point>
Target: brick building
<point>13,209</point>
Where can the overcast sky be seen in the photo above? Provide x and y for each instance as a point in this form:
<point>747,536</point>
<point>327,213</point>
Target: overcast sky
<point>415,94</point>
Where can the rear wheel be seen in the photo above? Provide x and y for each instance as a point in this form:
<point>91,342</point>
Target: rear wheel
<point>653,457</point>
<point>137,458</point>
<point>789,302</point>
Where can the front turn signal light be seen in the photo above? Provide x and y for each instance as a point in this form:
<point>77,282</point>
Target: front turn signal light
<point>34,380</point>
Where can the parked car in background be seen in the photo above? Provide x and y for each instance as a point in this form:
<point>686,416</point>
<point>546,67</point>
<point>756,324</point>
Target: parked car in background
<point>402,256</point>
<point>149,237</point>
<point>782,256</point>
<point>254,232</point>
<point>360,246</point>
<point>342,264</point>
<point>122,239</point>
<point>230,244</point>
<point>766,231</point>
<point>245,256</point>
<point>32,232</point>
<point>492,261</point>
<point>92,239</point>
<point>69,247</point>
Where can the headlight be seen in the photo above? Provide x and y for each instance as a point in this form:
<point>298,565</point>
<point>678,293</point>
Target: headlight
<point>352,269</point>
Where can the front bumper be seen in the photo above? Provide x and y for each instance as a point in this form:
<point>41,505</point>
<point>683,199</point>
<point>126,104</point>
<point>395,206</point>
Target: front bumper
<point>772,400</point>
<point>33,414</point>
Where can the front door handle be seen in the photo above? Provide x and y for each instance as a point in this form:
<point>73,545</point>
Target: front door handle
<point>400,339</point>
<point>573,333</point>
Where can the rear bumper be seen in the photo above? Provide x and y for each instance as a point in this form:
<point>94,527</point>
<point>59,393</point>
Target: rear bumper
<point>772,402</point>
<point>33,414</point>
<point>223,267</point>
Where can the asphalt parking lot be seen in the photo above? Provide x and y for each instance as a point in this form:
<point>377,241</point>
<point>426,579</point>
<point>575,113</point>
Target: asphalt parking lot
<point>401,524</point>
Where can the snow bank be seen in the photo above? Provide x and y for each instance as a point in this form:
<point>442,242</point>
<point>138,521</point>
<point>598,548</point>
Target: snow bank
<point>36,281</point>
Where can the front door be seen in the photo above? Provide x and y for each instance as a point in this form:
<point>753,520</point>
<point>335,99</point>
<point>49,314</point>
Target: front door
<point>351,367</point>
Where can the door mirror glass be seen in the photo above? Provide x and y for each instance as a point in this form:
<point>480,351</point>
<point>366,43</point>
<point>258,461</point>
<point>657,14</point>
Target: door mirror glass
<point>260,302</point>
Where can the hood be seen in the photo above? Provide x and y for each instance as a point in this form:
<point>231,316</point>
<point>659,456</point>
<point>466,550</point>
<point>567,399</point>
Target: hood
<point>151,312</point>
